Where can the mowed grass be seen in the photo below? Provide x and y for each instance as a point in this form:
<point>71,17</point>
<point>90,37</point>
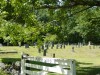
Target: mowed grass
<point>87,60</point>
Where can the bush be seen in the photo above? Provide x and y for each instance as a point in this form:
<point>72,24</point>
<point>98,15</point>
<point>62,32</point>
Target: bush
<point>3,73</point>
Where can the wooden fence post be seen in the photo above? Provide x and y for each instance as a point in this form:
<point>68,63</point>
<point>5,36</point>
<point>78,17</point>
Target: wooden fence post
<point>22,66</point>
<point>23,61</point>
<point>72,67</point>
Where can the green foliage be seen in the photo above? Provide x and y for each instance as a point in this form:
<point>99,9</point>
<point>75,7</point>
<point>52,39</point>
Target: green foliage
<point>85,25</point>
<point>50,38</point>
<point>23,21</point>
<point>2,73</point>
<point>30,34</point>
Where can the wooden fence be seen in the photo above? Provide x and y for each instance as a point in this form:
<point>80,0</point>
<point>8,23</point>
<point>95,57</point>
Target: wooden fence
<point>42,66</point>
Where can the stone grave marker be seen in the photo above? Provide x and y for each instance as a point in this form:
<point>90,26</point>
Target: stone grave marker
<point>44,52</point>
<point>42,47</point>
<point>1,45</point>
<point>57,46</point>
<point>60,46</point>
<point>64,46</point>
<point>39,50</point>
<point>47,45</point>
<point>93,46</point>
<point>53,55</point>
<point>73,49</point>
<point>89,47</point>
<point>52,45</point>
<point>78,45</point>
<point>19,44</point>
<point>26,45</point>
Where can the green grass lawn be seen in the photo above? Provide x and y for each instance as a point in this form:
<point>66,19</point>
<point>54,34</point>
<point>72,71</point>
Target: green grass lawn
<point>87,60</point>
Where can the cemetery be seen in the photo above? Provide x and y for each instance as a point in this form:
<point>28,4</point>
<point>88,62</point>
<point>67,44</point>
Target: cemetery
<point>49,37</point>
<point>84,58</point>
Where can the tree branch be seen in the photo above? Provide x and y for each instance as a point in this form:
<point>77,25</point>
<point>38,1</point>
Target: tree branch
<point>72,3</point>
<point>80,11</point>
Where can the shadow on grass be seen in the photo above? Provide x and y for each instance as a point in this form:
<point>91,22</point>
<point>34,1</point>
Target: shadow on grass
<point>10,60</point>
<point>95,70</point>
<point>88,71</point>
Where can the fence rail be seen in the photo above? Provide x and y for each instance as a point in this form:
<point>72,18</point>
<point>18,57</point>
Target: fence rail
<point>46,65</point>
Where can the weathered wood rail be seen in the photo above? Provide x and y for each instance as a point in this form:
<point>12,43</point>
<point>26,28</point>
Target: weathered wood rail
<point>46,65</point>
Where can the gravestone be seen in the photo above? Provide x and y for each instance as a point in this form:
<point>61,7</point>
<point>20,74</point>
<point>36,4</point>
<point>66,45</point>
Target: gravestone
<point>45,51</point>
<point>1,45</point>
<point>52,46</point>
<point>39,50</point>
<point>7,43</point>
<point>78,45</point>
<point>64,46</point>
<point>26,45</point>
<point>53,55</point>
<point>89,47</point>
<point>46,45</point>
<point>42,47</point>
<point>19,44</point>
<point>57,46</point>
<point>93,47</point>
<point>73,49</point>
<point>34,44</point>
<point>68,44</point>
<point>89,43</point>
<point>60,46</point>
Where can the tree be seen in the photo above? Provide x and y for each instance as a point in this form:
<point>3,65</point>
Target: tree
<point>45,20</point>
